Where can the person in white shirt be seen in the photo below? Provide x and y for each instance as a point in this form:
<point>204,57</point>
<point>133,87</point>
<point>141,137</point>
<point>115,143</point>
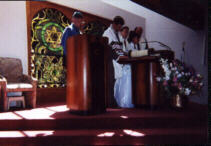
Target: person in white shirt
<point>123,38</point>
<point>122,90</point>
<point>139,31</point>
<point>133,41</point>
<point>112,33</point>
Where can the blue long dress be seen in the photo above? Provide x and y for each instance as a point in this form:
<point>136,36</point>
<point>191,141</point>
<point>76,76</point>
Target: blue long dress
<point>123,88</point>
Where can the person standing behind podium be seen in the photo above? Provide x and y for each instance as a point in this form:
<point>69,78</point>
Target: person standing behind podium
<point>123,38</point>
<point>122,91</point>
<point>112,33</point>
<point>133,41</point>
<point>71,30</point>
<point>139,30</point>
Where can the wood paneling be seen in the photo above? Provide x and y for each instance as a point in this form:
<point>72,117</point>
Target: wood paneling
<point>86,73</point>
<point>32,7</point>
<point>145,69</point>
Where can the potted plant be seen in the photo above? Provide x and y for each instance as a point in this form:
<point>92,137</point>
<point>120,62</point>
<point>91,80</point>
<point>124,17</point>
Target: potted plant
<point>178,82</point>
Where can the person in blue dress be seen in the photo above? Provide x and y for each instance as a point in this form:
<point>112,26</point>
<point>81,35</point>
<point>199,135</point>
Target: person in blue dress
<point>71,30</point>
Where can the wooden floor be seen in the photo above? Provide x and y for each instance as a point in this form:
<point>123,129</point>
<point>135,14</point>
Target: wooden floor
<point>54,125</point>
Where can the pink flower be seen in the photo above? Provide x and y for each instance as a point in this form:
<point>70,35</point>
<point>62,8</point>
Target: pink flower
<point>175,79</point>
<point>165,83</point>
<point>180,86</point>
<point>199,76</point>
<point>175,84</point>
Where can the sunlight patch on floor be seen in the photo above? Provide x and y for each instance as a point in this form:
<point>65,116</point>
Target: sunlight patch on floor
<point>33,114</point>
<point>4,134</point>
<point>39,113</point>
<point>9,116</point>
<point>124,117</point>
<point>62,108</point>
<point>11,134</point>
<point>133,133</point>
<point>106,134</point>
<point>38,133</point>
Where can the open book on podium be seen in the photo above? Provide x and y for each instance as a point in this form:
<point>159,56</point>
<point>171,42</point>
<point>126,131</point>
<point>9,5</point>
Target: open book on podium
<point>145,89</point>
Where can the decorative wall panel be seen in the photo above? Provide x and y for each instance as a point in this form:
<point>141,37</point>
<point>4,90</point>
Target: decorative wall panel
<point>45,23</point>
<point>47,27</point>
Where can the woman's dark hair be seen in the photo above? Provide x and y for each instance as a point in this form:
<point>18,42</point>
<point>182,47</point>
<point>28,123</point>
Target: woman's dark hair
<point>125,27</point>
<point>137,28</point>
<point>118,20</point>
<point>132,35</point>
<point>141,30</point>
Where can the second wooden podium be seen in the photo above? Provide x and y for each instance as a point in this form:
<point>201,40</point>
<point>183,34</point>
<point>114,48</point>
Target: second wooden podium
<point>86,74</point>
<point>145,88</point>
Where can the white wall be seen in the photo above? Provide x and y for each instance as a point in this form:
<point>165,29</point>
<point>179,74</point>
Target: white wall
<point>13,31</point>
<point>99,8</point>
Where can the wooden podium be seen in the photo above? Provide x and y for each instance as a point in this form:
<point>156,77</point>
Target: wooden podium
<point>145,88</point>
<point>86,74</point>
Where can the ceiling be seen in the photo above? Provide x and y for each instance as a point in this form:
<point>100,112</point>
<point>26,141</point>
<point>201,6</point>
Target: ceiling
<point>191,13</point>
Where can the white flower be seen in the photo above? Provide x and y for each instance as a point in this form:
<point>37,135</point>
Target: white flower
<point>187,91</point>
<point>158,79</point>
<point>198,75</point>
<point>179,75</point>
<point>167,78</point>
<point>182,73</point>
<point>201,84</point>
<point>174,69</point>
<point>187,74</point>
<point>190,80</point>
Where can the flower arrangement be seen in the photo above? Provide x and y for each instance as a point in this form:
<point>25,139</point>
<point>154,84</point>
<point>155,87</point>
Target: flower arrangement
<point>177,78</point>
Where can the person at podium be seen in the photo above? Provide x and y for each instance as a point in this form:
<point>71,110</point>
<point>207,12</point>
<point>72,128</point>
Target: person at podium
<point>133,41</point>
<point>122,73</point>
<point>71,30</point>
<point>123,38</point>
<point>139,31</point>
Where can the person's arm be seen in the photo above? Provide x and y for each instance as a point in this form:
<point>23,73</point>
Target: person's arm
<point>65,35</point>
<point>107,35</point>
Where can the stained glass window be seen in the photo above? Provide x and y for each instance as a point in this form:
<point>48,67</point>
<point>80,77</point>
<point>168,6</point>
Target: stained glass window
<point>47,27</point>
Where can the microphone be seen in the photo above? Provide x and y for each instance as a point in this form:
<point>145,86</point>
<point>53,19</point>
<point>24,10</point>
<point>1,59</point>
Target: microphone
<point>160,43</point>
<point>183,46</point>
<point>147,45</point>
<point>183,49</point>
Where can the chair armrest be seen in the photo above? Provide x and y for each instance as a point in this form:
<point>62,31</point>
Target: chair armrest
<point>29,79</point>
<point>3,92</point>
<point>2,79</point>
<point>3,83</point>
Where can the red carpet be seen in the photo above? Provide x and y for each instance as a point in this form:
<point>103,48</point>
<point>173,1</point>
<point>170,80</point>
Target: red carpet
<point>54,125</point>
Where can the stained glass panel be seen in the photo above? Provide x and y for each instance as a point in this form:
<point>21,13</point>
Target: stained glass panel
<point>46,51</point>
